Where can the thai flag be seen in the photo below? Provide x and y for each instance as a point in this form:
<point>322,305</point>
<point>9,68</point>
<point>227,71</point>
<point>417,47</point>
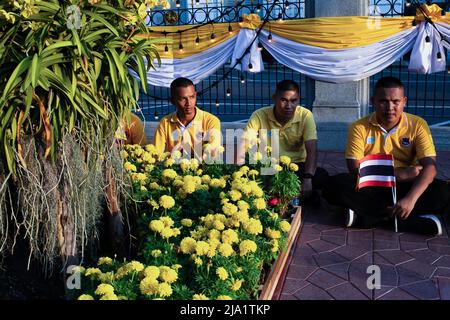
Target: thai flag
<point>376,170</point>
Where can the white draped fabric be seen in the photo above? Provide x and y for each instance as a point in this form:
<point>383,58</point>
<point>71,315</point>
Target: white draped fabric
<point>329,65</point>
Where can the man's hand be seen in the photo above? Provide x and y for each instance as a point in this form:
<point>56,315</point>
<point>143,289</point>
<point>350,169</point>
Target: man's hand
<point>408,173</point>
<point>306,188</point>
<point>403,208</point>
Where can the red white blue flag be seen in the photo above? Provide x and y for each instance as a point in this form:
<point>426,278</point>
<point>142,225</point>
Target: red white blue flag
<point>376,170</point>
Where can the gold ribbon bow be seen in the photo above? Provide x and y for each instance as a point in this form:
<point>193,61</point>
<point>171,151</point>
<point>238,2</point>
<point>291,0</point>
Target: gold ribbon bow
<point>434,12</point>
<point>250,21</point>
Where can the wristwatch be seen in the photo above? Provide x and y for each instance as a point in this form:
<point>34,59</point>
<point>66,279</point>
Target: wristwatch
<point>308,176</point>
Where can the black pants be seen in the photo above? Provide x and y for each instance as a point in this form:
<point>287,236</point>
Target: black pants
<point>372,202</point>
<point>319,179</point>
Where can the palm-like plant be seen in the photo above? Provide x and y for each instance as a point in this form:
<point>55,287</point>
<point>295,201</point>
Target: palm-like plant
<point>66,85</point>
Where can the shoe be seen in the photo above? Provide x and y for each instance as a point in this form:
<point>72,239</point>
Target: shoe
<point>425,224</point>
<point>351,218</point>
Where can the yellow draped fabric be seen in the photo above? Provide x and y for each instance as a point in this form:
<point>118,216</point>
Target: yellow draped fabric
<point>434,12</point>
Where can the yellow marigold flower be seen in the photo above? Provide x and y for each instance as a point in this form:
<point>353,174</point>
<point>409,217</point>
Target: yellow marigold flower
<point>185,164</point>
<point>176,267</point>
<point>147,157</point>
<point>104,260</point>
<point>92,272</point>
<point>236,285</point>
<point>194,164</point>
<point>151,272</point>
<point>206,179</point>
<point>241,216</point>
<point>218,225</point>
<point>149,168</point>
<point>259,203</point>
<point>188,245</point>
<point>78,269</point>
<point>104,288</point>
<point>107,277</point>
<point>239,269</point>
<point>253,226</point>
<point>253,173</point>
<point>244,169</point>
<point>176,154</point>
<point>229,209</point>
<point>110,296</point>
<point>123,154</point>
<point>242,205</point>
<point>143,189</point>
<point>224,297</point>
<point>226,250</point>
<point>138,151</point>
<point>153,204</point>
<point>273,234</point>
<point>257,156</point>
<point>164,290</point>
<point>269,149</point>
<point>235,195</point>
<point>156,225</point>
<point>278,168</point>
<point>156,253</point>
<point>198,261</point>
<point>169,162</point>
<point>149,286</point>
<point>129,167</point>
<point>275,246</point>
<point>166,202</point>
<point>293,167</point>
<point>169,173</point>
<point>214,234</point>
<point>247,246</point>
<point>189,187</point>
<point>285,160</point>
<point>85,297</point>
<point>150,148</point>
<point>246,189</point>
<point>135,266</point>
<point>222,273</point>
<point>284,226</point>
<point>202,248</point>
<point>168,222</point>
<point>168,275</point>
<point>199,172</point>
<point>186,222</point>
<point>230,236</point>
<point>166,233</point>
<point>237,174</point>
<point>274,216</point>
<point>154,186</point>
<point>199,297</point>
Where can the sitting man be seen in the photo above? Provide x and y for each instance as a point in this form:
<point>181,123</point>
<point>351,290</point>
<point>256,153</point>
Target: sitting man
<point>407,138</point>
<point>188,128</point>
<point>297,135</point>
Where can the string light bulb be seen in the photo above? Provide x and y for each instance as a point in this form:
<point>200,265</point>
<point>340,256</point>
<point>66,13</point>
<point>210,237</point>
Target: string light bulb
<point>258,7</point>
<point>177,3</point>
<point>448,71</point>
<point>242,78</point>
<point>287,4</point>
<point>250,66</point>
<point>156,115</point>
<point>269,38</point>
<point>280,17</point>
<point>213,36</point>
<point>439,56</point>
<point>166,48</point>
<point>228,92</point>
<point>197,2</point>
<point>180,47</point>
<point>217,103</point>
<point>230,29</point>
<point>427,39</point>
<point>260,47</point>
<point>408,3</point>
<point>197,40</point>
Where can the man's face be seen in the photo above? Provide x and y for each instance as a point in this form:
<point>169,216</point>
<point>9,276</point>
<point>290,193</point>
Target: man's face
<point>388,104</point>
<point>285,104</point>
<point>185,101</point>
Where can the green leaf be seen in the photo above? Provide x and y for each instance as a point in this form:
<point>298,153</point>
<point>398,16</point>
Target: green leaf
<point>100,111</point>
<point>52,49</point>
<point>21,68</point>
<point>77,42</point>
<point>35,70</point>
<point>142,73</point>
<point>103,21</point>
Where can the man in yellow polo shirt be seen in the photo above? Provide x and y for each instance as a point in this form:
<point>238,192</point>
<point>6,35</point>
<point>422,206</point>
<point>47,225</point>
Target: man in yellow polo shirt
<point>188,129</point>
<point>296,132</point>
<point>408,139</point>
<point>131,130</point>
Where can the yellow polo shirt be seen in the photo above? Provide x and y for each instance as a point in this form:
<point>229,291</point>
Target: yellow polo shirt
<point>292,135</point>
<point>408,142</point>
<point>202,129</point>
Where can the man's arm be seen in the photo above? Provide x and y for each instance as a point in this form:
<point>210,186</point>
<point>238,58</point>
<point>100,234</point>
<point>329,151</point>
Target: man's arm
<point>310,166</point>
<point>405,205</point>
<point>159,140</point>
<point>353,166</point>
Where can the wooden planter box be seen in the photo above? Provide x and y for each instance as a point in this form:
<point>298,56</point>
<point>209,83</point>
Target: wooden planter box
<point>280,265</point>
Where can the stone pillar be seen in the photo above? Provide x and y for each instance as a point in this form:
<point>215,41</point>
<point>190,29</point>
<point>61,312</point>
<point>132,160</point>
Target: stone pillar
<point>337,105</point>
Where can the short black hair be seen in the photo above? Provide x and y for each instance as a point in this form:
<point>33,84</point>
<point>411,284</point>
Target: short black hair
<point>388,82</point>
<point>180,83</point>
<point>287,85</point>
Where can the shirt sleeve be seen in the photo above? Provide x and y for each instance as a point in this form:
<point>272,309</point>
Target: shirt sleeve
<point>309,127</point>
<point>251,131</point>
<point>214,131</point>
<point>355,143</point>
<point>159,140</point>
<point>424,141</point>
<point>136,132</point>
